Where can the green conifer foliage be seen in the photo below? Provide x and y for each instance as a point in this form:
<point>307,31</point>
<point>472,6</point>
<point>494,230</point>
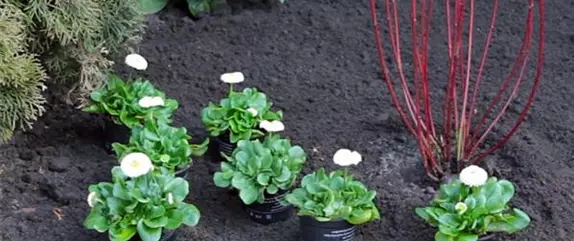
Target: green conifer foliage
<point>73,40</point>
<point>21,76</point>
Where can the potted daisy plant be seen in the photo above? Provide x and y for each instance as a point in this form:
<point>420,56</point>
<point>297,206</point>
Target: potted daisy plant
<point>239,116</point>
<point>129,103</point>
<point>263,173</point>
<point>167,146</point>
<point>473,206</point>
<point>140,204</point>
<point>331,205</point>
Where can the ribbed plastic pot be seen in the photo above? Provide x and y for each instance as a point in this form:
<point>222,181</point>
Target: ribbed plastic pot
<point>271,210</point>
<point>221,144</point>
<point>225,146</point>
<point>314,230</point>
<point>183,173</point>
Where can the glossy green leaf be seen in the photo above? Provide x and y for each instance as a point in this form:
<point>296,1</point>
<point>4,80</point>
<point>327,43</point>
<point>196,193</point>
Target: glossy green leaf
<point>152,6</point>
<point>449,220</point>
<point>190,214</point>
<point>121,192</point>
<point>495,204</point>
<point>296,152</point>
<point>263,179</point>
<point>175,219</point>
<point>359,216</point>
<point>96,221</point>
<point>123,234</point>
<point>470,202</point>
<point>313,188</point>
<point>158,222</point>
<point>424,214</point>
<point>148,134</point>
<point>241,181</point>
<point>285,174</point>
<point>199,150</point>
<point>442,237</point>
<point>272,189</point>
<point>178,187</point>
<point>467,237</point>
<point>156,212</point>
<point>507,191</point>
<point>148,233</point>
<point>115,205</point>
<point>249,194</point>
<point>241,157</point>
<point>512,223</point>
<point>220,180</point>
<point>93,109</point>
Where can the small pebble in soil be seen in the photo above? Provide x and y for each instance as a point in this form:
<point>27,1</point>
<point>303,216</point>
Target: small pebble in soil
<point>59,164</point>
<point>15,204</point>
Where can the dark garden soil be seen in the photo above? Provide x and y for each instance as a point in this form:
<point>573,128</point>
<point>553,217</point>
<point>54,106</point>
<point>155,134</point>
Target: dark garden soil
<point>316,60</point>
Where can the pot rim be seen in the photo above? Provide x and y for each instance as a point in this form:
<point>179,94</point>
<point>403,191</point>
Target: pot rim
<point>186,168</point>
<point>330,221</point>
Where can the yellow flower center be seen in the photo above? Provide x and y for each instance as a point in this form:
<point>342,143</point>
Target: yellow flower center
<point>135,164</point>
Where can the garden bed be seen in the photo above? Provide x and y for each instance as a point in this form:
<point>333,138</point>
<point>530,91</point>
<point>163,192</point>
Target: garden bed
<point>316,61</point>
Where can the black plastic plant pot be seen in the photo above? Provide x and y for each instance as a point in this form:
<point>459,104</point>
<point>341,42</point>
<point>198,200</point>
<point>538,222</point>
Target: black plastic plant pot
<point>166,235</point>
<point>222,145</point>
<point>183,173</point>
<point>271,210</point>
<point>314,230</point>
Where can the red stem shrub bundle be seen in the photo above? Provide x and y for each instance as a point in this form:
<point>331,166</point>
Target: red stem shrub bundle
<point>459,132</point>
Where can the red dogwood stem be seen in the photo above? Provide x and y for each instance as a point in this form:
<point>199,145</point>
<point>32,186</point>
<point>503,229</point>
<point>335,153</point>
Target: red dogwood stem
<point>458,128</point>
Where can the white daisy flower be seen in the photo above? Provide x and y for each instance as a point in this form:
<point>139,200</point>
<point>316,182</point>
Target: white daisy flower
<point>92,199</point>
<point>151,101</point>
<point>473,176</point>
<point>346,157</point>
<point>136,61</point>
<point>233,78</point>
<point>136,164</point>
<point>272,126</point>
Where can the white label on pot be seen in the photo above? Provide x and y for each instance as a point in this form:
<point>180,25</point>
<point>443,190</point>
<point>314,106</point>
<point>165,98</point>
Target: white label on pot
<point>275,203</point>
<point>343,234</point>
